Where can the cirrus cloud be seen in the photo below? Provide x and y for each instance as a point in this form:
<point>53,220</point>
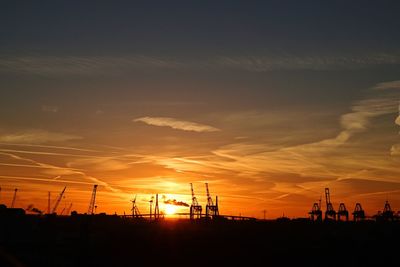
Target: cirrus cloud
<point>177,124</point>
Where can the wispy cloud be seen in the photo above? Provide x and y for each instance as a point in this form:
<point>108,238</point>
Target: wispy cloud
<point>177,124</point>
<point>92,65</point>
<point>37,137</point>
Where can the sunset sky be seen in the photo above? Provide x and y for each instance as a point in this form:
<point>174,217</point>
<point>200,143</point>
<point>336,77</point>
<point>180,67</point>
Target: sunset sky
<point>267,101</point>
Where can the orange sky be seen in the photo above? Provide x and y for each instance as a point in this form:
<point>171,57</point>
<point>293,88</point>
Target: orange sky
<point>268,102</point>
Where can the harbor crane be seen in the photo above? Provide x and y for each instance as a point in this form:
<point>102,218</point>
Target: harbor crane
<point>342,212</point>
<point>358,213</point>
<point>330,213</point>
<point>135,210</point>
<point>316,212</point>
<point>195,208</point>
<point>14,198</point>
<point>58,200</point>
<point>92,203</point>
<point>211,209</point>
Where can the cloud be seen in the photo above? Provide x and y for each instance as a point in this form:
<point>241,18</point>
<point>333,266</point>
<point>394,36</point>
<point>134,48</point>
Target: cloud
<point>111,65</point>
<point>176,124</point>
<point>98,164</point>
<point>37,137</point>
<point>388,85</point>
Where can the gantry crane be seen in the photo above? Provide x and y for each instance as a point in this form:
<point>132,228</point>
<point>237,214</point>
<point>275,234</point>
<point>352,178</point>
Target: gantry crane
<point>92,203</point>
<point>342,212</point>
<point>211,209</point>
<point>14,198</point>
<point>358,213</point>
<point>58,200</point>
<point>316,212</point>
<point>330,213</point>
<point>135,210</point>
<point>195,208</point>
<point>387,213</point>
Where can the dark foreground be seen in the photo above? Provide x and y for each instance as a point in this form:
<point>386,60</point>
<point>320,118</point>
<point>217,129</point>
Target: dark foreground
<point>112,241</point>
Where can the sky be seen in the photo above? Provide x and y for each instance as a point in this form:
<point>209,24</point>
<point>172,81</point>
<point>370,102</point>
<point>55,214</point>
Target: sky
<point>267,101</point>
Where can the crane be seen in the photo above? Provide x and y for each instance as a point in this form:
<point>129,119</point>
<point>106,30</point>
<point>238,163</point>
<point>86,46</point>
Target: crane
<point>195,208</point>
<point>316,212</point>
<point>48,202</point>
<point>342,212</point>
<point>67,211</point>
<point>135,210</point>
<point>156,209</point>
<point>211,209</point>
<point>14,198</point>
<point>92,203</point>
<point>330,213</point>
<point>58,200</point>
<point>358,214</point>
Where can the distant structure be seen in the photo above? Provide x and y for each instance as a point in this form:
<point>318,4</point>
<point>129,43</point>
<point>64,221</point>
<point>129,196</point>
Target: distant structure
<point>58,200</point>
<point>330,213</point>
<point>68,210</point>
<point>135,210</point>
<point>14,198</point>
<point>316,212</point>
<point>358,213</point>
<point>156,209</point>
<point>48,203</point>
<point>195,208</point>
<point>151,206</point>
<point>342,212</point>
<point>92,203</point>
<point>387,214</point>
<point>211,210</point>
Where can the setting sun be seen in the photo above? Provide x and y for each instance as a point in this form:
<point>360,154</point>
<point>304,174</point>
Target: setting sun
<point>170,209</point>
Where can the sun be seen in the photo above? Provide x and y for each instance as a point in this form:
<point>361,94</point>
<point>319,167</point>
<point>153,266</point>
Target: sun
<point>170,209</point>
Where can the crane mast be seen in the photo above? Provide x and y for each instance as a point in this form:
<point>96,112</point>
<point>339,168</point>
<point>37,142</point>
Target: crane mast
<point>195,208</point>
<point>14,198</point>
<point>58,200</point>
<point>92,203</point>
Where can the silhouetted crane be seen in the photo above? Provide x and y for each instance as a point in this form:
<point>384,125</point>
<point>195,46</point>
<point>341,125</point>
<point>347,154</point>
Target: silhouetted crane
<point>211,209</point>
<point>316,212</point>
<point>387,213</point>
<point>342,212</point>
<point>156,209</point>
<point>358,213</point>
<point>14,198</point>
<point>68,210</point>
<point>135,210</point>
<point>48,203</point>
<point>92,203</point>
<point>58,200</point>
<point>195,208</point>
<point>151,205</point>
<point>330,213</point>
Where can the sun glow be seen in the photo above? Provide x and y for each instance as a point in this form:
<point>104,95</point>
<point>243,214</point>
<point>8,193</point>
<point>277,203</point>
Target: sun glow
<point>170,209</point>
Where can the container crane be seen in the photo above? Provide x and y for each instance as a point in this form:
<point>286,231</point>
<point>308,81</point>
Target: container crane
<point>211,209</point>
<point>330,213</point>
<point>195,208</point>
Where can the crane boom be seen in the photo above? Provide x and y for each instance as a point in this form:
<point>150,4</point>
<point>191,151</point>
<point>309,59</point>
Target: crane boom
<point>14,198</point>
<point>92,203</point>
<point>209,199</point>
<point>58,200</point>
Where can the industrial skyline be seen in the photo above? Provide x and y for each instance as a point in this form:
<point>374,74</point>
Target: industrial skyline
<point>267,102</point>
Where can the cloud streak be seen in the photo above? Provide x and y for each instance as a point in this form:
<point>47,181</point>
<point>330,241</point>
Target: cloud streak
<point>177,124</point>
<point>37,137</point>
<point>111,65</point>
